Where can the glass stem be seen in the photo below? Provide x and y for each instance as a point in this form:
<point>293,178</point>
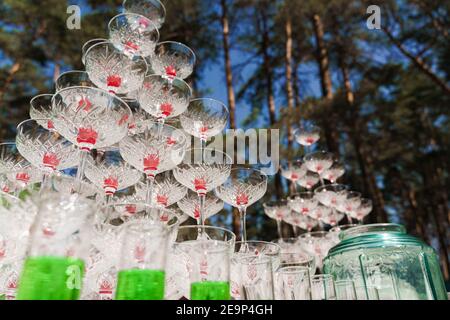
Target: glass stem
<point>202,146</point>
<point>201,200</point>
<point>150,182</point>
<point>335,216</point>
<point>280,233</point>
<point>108,199</point>
<point>294,229</point>
<point>322,183</point>
<point>242,214</point>
<point>160,126</point>
<point>349,218</point>
<point>82,165</point>
<point>45,182</point>
<point>321,226</point>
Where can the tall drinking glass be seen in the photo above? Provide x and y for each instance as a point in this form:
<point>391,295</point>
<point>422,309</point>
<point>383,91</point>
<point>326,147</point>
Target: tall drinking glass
<point>143,261</point>
<point>322,287</point>
<point>367,292</point>
<point>207,260</point>
<point>293,283</point>
<point>345,290</point>
<point>258,250</point>
<point>256,274</point>
<point>58,244</point>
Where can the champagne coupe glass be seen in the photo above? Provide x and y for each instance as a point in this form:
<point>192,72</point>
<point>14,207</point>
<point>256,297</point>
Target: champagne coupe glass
<point>293,171</point>
<point>153,10</point>
<point>243,188</point>
<point>113,71</point>
<point>68,185</point>
<point>90,118</point>
<point>303,202</point>
<point>74,78</point>
<point>332,218</point>
<point>329,196</point>
<point>363,210</point>
<point>143,261</point>
<point>307,134</point>
<point>309,180</point>
<point>303,222</point>
<point>333,173</point>
<point>292,283</point>
<point>190,205</point>
<point>318,162</point>
<point>173,60</point>
<point>317,243</point>
<point>204,118</point>
<point>277,210</point>
<point>122,212</point>
<point>89,44</point>
<point>201,171</point>
<point>41,108</point>
<point>349,203</point>
<point>154,151</point>
<point>57,248</point>
<point>163,99</point>
<point>206,260</point>
<point>46,150</point>
<point>322,287</point>
<point>166,190</point>
<point>320,212</point>
<point>133,34</point>
<point>110,172</point>
<point>16,168</point>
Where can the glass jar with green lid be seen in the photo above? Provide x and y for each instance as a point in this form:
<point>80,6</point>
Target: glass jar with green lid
<point>383,256</point>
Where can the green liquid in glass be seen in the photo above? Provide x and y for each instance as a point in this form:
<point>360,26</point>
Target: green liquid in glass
<point>51,278</point>
<point>140,284</point>
<point>210,290</point>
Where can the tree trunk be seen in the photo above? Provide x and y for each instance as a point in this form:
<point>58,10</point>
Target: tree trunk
<point>268,73</point>
<point>230,91</point>
<point>267,65</point>
<point>325,82</point>
<point>289,89</point>
<point>322,58</point>
<point>295,85</point>
<point>228,70</point>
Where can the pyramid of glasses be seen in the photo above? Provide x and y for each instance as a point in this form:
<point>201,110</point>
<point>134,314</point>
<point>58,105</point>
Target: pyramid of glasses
<point>98,182</point>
